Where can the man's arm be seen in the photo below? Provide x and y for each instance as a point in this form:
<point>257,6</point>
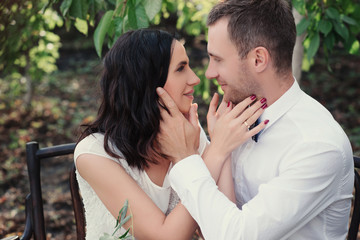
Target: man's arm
<point>281,207</point>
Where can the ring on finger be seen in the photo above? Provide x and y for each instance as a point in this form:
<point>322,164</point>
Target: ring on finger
<point>247,125</point>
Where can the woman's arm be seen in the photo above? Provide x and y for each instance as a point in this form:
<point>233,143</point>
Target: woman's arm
<point>226,183</point>
<point>113,186</point>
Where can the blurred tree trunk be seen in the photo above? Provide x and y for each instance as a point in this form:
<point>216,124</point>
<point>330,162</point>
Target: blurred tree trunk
<point>298,50</point>
<point>29,87</point>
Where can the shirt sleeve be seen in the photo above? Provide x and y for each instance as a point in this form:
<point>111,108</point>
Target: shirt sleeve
<point>199,194</point>
<point>303,189</point>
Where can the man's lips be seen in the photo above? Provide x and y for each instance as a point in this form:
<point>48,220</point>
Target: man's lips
<point>223,85</point>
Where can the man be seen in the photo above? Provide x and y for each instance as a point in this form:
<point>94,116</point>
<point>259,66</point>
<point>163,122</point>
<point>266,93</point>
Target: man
<point>296,180</point>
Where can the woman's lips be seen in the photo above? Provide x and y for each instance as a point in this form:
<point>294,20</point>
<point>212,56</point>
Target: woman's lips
<point>189,94</point>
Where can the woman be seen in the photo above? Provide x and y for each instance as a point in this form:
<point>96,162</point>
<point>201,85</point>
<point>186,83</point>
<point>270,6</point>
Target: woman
<point>117,156</point>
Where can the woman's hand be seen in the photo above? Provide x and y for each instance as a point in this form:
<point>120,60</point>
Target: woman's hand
<point>230,127</point>
<point>214,113</point>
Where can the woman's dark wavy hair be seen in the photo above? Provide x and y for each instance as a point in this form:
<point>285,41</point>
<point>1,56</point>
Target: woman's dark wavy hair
<point>129,114</point>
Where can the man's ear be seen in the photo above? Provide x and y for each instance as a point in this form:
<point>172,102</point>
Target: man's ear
<point>260,59</point>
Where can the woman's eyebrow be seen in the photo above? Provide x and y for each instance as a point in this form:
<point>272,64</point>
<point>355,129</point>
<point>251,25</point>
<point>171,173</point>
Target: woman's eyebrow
<point>181,63</point>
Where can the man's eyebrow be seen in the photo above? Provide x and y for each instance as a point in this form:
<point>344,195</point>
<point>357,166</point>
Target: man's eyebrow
<point>213,55</point>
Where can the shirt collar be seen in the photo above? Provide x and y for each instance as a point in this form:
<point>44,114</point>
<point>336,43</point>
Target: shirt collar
<point>276,110</point>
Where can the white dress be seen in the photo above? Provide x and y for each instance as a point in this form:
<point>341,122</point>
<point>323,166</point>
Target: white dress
<point>98,219</point>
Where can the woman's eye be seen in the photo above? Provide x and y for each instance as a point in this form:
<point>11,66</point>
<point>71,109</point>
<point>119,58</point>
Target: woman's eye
<point>180,69</point>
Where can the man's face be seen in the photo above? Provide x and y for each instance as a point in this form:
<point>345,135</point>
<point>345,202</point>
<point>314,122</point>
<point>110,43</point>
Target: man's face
<point>226,66</point>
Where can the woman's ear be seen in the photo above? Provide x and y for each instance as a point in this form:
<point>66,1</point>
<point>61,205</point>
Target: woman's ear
<point>261,57</point>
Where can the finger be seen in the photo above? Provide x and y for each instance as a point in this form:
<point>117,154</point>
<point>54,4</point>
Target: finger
<point>258,128</point>
<point>241,107</point>
<point>252,113</point>
<point>193,117</point>
<point>213,105</point>
<point>168,101</point>
<point>223,107</point>
<point>164,114</point>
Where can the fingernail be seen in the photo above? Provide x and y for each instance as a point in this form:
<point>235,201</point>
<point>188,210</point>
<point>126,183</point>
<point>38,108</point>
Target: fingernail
<point>264,106</point>
<point>159,90</point>
<point>228,104</point>
<point>252,97</point>
<point>263,100</point>
<point>266,121</point>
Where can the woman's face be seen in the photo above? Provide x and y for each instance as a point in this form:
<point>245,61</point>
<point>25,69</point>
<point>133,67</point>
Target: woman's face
<point>181,79</point>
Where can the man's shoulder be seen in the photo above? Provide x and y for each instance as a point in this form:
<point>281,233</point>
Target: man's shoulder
<point>314,123</point>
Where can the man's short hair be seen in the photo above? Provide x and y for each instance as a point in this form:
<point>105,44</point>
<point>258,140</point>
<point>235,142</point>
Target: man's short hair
<point>254,23</point>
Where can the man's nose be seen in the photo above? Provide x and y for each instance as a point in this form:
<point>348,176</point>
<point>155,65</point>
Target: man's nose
<point>211,73</point>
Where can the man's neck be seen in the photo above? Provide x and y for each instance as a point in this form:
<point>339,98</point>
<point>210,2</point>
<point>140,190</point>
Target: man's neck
<point>275,86</point>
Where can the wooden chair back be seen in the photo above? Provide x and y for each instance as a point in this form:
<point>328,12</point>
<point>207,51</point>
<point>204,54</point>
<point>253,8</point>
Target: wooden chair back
<point>35,223</point>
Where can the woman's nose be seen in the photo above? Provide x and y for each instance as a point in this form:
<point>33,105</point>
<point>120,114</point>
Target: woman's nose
<point>194,79</point>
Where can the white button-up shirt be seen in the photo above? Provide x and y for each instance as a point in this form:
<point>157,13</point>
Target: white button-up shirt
<point>295,183</point>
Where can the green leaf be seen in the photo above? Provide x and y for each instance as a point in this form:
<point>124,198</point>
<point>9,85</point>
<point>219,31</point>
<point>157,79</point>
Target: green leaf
<point>124,235</point>
<point>131,15</point>
<point>342,30</point>
<point>123,210</point>
<point>329,41</point>
<point>118,22</point>
<point>300,6</point>
<point>348,19</point>
<point>314,46</point>
<point>333,14</point>
<point>142,20</point>
<point>302,26</point>
<point>352,45</point>
<point>325,26</point>
<point>101,30</point>
<point>152,7</point>
<point>355,48</point>
<point>81,25</point>
<point>64,7</point>
<point>123,221</point>
<point>79,9</point>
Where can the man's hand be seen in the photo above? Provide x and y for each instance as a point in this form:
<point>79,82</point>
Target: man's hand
<point>178,136</point>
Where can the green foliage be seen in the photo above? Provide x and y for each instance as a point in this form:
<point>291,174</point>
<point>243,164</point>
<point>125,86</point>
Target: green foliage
<point>329,23</point>
<point>28,47</point>
<point>119,16</point>
<point>120,221</point>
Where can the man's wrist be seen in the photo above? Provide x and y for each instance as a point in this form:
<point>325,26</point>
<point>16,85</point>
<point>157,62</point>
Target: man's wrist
<point>181,156</point>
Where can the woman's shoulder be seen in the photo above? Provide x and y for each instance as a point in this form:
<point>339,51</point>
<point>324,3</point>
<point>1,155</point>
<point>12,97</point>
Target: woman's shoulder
<point>90,144</point>
<point>94,144</point>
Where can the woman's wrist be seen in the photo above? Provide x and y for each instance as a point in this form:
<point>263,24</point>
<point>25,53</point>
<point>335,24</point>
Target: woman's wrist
<point>216,153</point>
